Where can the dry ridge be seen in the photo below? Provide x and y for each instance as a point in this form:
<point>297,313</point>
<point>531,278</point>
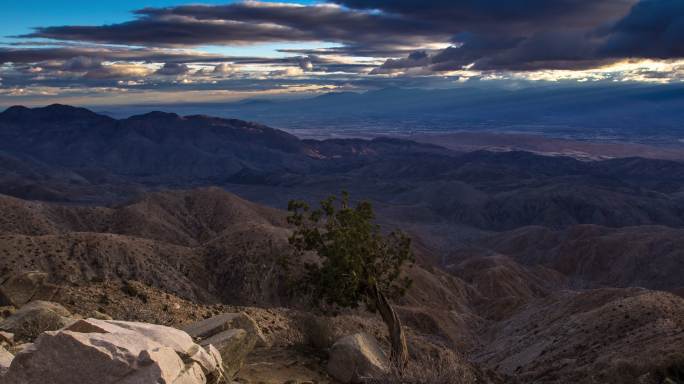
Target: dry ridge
<point>192,253</point>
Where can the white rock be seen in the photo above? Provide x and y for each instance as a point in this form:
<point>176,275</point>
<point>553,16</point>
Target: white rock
<point>356,357</point>
<point>6,337</point>
<point>234,345</point>
<point>5,360</point>
<point>233,334</point>
<point>103,352</point>
<point>223,322</point>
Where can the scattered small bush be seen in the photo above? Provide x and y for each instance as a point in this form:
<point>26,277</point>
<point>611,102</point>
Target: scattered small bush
<point>131,289</point>
<point>443,370</point>
<point>318,332</point>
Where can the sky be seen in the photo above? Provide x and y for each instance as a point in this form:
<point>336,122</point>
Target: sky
<point>174,51</point>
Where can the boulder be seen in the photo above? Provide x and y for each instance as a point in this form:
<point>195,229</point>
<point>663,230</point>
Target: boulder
<point>17,290</point>
<point>233,334</point>
<point>99,315</point>
<point>355,358</point>
<point>105,351</point>
<point>5,360</point>
<point>214,325</point>
<point>6,338</point>
<point>233,345</point>
<point>35,318</point>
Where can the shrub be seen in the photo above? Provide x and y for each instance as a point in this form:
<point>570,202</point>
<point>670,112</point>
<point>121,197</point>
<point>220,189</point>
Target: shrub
<point>430,370</point>
<point>319,332</point>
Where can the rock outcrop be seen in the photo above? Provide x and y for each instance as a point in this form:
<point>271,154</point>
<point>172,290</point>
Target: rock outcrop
<point>355,358</point>
<point>5,360</point>
<point>101,351</point>
<point>233,334</point>
<point>17,290</point>
<point>35,318</point>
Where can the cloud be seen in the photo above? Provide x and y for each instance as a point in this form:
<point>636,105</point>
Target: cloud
<point>287,72</point>
<point>93,68</point>
<point>305,64</point>
<point>414,60</point>
<point>519,17</point>
<point>224,69</point>
<point>609,32</point>
<point>82,63</point>
<point>249,23</point>
<point>172,69</point>
<point>33,55</point>
<point>118,72</point>
<point>653,29</point>
<point>560,49</point>
<point>375,43</point>
<point>484,34</point>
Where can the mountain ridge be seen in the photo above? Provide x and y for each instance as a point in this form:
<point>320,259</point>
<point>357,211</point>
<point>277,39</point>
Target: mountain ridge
<point>207,247</point>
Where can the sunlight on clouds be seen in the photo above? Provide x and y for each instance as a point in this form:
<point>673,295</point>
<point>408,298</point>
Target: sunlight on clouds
<point>646,71</point>
<point>630,70</point>
<point>122,96</point>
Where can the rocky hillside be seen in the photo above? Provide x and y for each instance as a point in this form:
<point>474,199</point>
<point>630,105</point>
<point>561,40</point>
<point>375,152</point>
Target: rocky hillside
<point>189,243</point>
<point>176,257</point>
<point>595,256</point>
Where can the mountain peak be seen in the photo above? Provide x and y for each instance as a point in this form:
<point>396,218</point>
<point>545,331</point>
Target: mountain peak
<point>64,109</point>
<point>14,111</point>
<point>156,115</point>
<point>52,112</point>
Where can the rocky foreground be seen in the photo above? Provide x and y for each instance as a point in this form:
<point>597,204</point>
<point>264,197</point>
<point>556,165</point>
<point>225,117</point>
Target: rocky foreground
<point>74,339</point>
<point>43,342</point>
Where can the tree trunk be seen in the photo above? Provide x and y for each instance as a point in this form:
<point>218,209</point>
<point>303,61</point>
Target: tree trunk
<point>399,353</point>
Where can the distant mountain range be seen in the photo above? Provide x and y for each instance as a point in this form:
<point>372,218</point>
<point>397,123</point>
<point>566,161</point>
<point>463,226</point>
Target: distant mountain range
<point>72,154</point>
<point>627,112</point>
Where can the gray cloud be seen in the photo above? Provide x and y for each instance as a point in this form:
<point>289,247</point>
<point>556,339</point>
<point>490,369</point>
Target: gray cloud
<point>82,63</point>
<point>649,29</point>
<point>251,22</point>
<point>653,29</point>
<point>305,64</point>
<point>485,35</point>
<point>513,16</point>
<point>223,68</point>
<point>34,55</point>
<point>414,60</point>
<point>173,69</point>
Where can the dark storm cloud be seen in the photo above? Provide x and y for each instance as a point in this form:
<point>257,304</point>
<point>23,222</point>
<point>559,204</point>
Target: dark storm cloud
<point>250,22</point>
<point>562,49</point>
<point>486,35</point>
<point>414,60</point>
<point>519,16</point>
<point>653,28</point>
<point>173,69</point>
<point>565,34</point>
<point>172,31</point>
<point>549,50</point>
